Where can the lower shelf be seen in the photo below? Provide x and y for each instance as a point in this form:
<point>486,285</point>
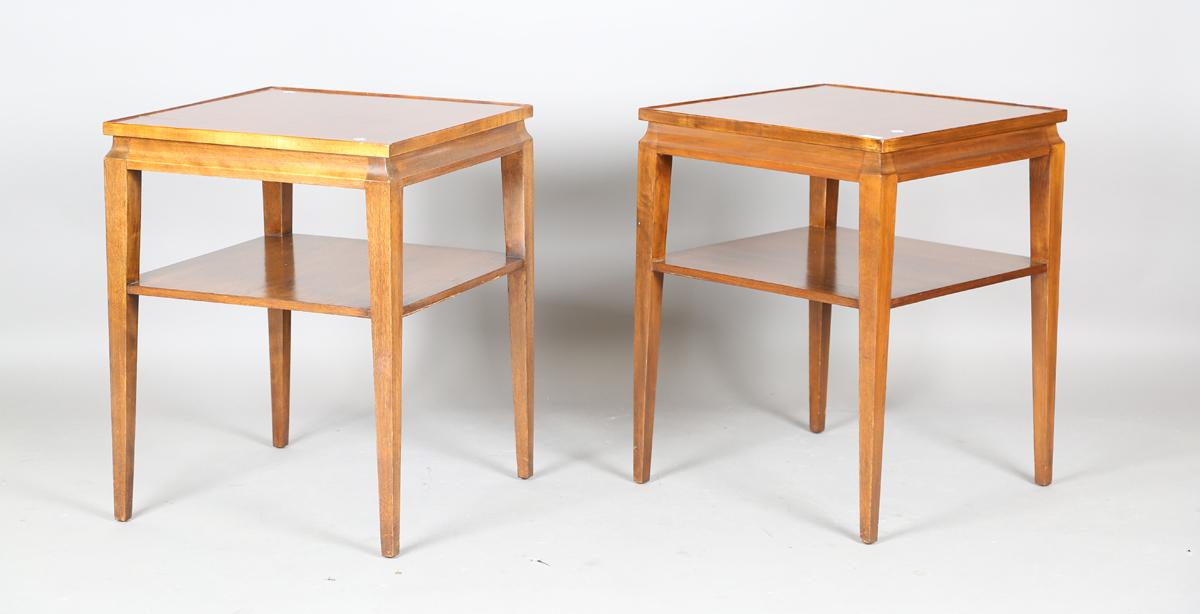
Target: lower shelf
<point>319,274</point>
<point>821,264</point>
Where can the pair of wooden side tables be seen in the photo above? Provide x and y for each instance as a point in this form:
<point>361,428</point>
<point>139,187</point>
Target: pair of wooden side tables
<point>283,136</point>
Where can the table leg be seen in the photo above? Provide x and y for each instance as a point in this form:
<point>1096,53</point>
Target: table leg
<point>654,192</point>
<point>277,221</point>
<point>385,239</point>
<point>123,221</point>
<point>820,316</point>
<point>1045,198</point>
<point>279,329</point>
<point>877,233</point>
<point>822,213</point>
<point>517,177</point>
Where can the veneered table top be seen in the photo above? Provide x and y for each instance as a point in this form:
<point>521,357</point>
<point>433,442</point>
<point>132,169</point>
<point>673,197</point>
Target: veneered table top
<point>859,118</point>
<point>321,121</point>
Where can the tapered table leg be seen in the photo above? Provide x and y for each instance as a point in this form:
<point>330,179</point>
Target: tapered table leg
<point>385,240</point>
<point>820,316</point>
<point>279,329</point>
<point>123,220</point>
<point>822,213</point>
<point>517,175</point>
<point>877,230</point>
<point>1045,233</point>
<point>277,222</point>
<point>654,192</point>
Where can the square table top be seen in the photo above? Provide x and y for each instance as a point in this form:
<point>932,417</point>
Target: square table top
<point>853,117</point>
<point>294,119</point>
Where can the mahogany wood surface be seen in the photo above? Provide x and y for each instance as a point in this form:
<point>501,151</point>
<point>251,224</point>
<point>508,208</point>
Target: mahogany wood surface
<point>320,274</point>
<point>854,117</point>
<point>876,138</point>
<point>321,121</point>
<point>822,264</point>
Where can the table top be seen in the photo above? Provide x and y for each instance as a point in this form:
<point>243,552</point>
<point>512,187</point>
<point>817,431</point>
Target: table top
<point>321,121</point>
<point>858,118</point>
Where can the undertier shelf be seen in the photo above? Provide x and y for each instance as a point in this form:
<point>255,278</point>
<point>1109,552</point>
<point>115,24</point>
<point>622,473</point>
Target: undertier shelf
<point>319,274</point>
<point>822,264</point>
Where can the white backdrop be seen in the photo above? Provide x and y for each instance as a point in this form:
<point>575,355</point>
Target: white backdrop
<point>1126,72</point>
<point>1121,70</point>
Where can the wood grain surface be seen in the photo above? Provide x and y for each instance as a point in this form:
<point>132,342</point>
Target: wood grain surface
<point>385,240</point>
<point>853,117</point>
<point>321,121</point>
<point>516,171</point>
<point>1045,238</point>
<point>277,222</point>
<point>319,274</point>
<point>876,285</point>
<point>653,205</point>
<point>821,264</point>
<point>123,230</point>
<point>822,213</point>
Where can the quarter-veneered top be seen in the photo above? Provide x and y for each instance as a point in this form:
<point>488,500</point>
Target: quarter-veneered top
<point>869,119</point>
<point>321,121</point>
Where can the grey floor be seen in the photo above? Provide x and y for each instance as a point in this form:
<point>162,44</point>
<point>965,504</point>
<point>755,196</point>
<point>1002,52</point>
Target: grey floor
<point>746,510</point>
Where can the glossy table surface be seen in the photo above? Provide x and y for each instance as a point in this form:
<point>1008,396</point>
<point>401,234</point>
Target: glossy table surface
<point>323,121</point>
<point>859,116</point>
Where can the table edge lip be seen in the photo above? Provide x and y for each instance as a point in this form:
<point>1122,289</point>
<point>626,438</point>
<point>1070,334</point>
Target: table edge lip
<point>661,114</point>
<point>517,113</point>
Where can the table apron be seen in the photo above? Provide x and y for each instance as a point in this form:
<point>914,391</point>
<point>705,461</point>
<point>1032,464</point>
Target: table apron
<point>303,167</point>
<point>249,162</point>
<point>850,164</point>
<point>964,155</point>
<point>760,152</point>
<point>416,166</point>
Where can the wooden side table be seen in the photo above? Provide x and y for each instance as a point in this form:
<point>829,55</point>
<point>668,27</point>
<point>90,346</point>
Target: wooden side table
<point>283,136</point>
<point>875,138</point>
